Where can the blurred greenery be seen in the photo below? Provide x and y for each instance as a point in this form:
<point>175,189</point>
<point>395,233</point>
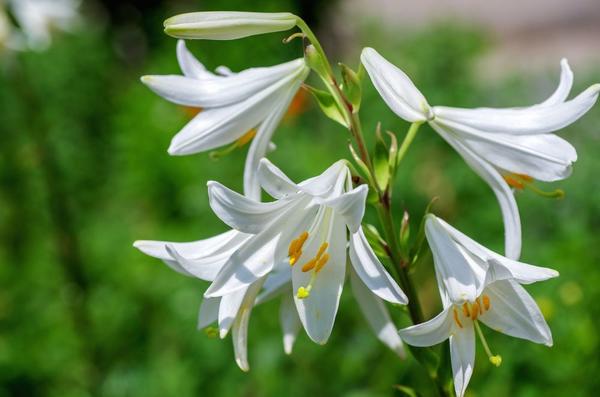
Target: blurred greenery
<point>84,172</point>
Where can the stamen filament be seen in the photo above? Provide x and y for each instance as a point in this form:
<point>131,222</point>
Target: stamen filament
<point>456,319</point>
<point>494,359</point>
<point>557,194</point>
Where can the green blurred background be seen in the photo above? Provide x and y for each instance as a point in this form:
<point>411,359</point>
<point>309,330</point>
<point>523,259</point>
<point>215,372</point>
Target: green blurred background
<point>84,172</point>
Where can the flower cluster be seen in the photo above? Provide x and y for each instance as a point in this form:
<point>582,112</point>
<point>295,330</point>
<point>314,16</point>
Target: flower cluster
<point>301,246</point>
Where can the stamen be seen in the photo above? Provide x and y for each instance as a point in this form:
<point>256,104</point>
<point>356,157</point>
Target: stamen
<point>295,248</point>
<point>322,262</point>
<point>557,194</point>
<point>494,359</point>
<point>465,308</point>
<point>322,249</point>
<point>456,319</point>
<point>486,302</point>
<point>310,265</point>
<point>474,310</point>
<point>513,182</point>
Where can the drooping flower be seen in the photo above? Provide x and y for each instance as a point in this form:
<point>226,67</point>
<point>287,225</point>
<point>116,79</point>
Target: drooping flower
<point>477,285</point>
<point>236,107</point>
<point>506,147</point>
<point>227,25</point>
<point>305,228</point>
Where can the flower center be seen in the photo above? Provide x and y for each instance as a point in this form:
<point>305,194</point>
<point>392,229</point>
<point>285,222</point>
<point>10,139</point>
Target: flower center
<point>472,311</point>
<point>315,265</point>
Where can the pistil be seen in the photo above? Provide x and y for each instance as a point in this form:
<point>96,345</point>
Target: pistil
<point>494,359</point>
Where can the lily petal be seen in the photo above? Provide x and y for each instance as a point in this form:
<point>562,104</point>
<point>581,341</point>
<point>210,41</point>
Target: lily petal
<point>189,64</point>
<point>395,87</point>
<point>274,181</point>
<point>504,195</point>
<point>350,206</point>
<point>331,181</point>
<point>317,311</point>
<point>431,332</point>
<point>377,315</point>
<point>241,213</point>
<point>516,121</point>
<point>227,25</point>
<point>462,275</point>
<point>514,312</point>
<point>239,331</point>
<point>290,322</point>
<point>462,357</point>
<point>564,86</point>
<point>209,312</point>
<point>228,310</point>
<point>371,272</point>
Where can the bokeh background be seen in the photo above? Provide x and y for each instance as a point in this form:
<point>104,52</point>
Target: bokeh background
<point>84,172</point>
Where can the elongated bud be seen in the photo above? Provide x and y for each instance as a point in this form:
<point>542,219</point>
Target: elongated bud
<point>227,25</point>
<point>316,62</point>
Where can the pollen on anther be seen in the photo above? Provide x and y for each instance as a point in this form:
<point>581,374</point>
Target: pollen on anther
<point>322,249</point>
<point>322,262</point>
<point>486,302</point>
<point>308,266</point>
<point>465,308</point>
<point>474,311</point>
<point>513,182</point>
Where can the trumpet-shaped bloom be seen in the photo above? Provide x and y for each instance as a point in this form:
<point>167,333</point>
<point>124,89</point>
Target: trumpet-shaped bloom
<point>236,107</point>
<point>506,147</point>
<point>503,305</point>
<point>305,228</point>
<point>477,285</point>
<point>227,25</point>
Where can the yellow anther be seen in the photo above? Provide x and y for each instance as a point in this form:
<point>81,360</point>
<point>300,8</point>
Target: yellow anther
<point>496,360</point>
<point>486,302</point>
<point>524,177</point>
<point>247,137</point>
<point>474,311</point>
<point>295,248</point>
<point>303,292</point>
<point>465,308</point>
<point>513,182</point>
<point>322,262</point>
<point>456,319</point>
<point>308,266</point>
<point>294,258</point>
<point>322,249</point>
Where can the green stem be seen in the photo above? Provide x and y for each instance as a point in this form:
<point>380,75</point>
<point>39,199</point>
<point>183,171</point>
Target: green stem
<point>408,139</point>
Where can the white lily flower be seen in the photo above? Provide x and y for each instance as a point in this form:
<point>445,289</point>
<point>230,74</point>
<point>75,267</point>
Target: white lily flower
<point>227,25</point>
<point>237,107</point>
<point>503,305</point>
<point>477,284</point>
<point>464,267</point>
<point>506,147</point>
<point>38,18</point>
<point>307,227</point>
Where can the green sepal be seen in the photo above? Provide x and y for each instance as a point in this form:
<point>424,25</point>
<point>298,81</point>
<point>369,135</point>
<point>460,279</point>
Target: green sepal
<point>351,87</point>
<point>328,105</point>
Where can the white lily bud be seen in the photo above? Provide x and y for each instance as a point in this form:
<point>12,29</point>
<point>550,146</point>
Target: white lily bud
<point>227,25</point>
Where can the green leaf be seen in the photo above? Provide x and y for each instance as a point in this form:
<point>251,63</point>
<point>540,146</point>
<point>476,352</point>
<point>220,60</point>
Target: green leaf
<point>328,105</point>
<point>315,61</point>
<point>406,391</point>
<point>419,245</point>
<point>393,152</point>
<point>381,163</point>
<point>351,87</point>
<point>404,233</point>
<point>427,357</point>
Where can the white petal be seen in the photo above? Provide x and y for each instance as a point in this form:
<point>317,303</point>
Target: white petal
<point>531,120</point>
<point>395,87</point>
<point>564,86</point>
<point>350,206</point>
<point>239,331</point>
<point>228,309</point>
<point>514,312</point>
<point>500,267</point>
<point>462,275</point>
<point>377,315</point>
<point>209,312</point>
<point>189,64</point>
<point>545,157</point>
<point>208,251</point>
<point>371,271</point>
<point>504,195</point>
<point>330,183</point>
<point>227,25</point>
<point>274,181</point>
<point>260,144</point>
<point>263,251</point>
<point>219,126</point>
<point>462,356</point>
<point>317,312</point>
<point>241,213</point>
<point>290,322</point>
<point>431,332</point>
